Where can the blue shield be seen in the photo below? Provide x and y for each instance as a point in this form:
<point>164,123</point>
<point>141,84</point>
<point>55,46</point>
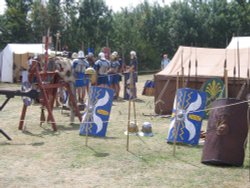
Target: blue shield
<point>187,116</point>
<point>95,119</point>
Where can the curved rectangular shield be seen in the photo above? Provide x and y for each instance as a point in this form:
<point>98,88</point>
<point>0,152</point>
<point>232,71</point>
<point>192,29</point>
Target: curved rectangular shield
<point>95,119</point>
<point>187,116</point>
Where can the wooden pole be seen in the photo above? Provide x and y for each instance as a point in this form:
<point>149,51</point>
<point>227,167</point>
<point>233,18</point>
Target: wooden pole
<point>234,70</point>
<point>131,97</point>
<point>189,71</point>
<point>87,119</point>
<point>182,70</point>
<point>238,55</point>
<point>225,75</point>
<point>196,73</point>
<point>226,82</point>
<point>248,72</point>
<point>129,107</point>
<point>176,102</point>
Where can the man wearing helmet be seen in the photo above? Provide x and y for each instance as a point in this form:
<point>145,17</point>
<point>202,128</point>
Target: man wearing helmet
<point>114,73</point>
<point>82,80</point>
<point>102,66</point>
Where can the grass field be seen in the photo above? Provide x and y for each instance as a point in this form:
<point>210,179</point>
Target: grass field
<point>39,157</point>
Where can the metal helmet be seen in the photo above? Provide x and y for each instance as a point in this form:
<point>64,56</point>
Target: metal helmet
<point>90,54</point>
<point>74,55</point>
<point>90,70</point>
<point>133,53</point>
<point>101,55</point>
<point>115,53</point>
<point>81,54</point>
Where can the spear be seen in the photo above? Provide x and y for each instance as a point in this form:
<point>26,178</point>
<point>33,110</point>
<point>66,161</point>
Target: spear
<point>226,75</point>
<point>182,69</point>
<point>234,71</point>
<point>238,55</point>
<point>176,127</point>
<point>189,68</point>
<point>46,50</point>
<point>196,69</point>
<point>248,72</point>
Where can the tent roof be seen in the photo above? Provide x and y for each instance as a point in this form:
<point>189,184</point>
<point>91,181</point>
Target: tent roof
<point>210,62</point>
<point>24,48</point>
<point>242,42</point>
<point>6,58</point>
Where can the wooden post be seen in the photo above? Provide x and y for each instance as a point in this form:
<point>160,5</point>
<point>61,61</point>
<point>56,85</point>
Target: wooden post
<point>226,83</point>
<point>238,58</point>
<point>131,99</point>
<point>176,103</point>
<point>87,118</point>
<point>182,70</point>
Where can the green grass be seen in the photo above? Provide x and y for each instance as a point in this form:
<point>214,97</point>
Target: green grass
<point>40,157</point>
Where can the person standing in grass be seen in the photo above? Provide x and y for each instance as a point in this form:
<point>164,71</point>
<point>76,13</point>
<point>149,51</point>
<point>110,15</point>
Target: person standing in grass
<point>165,61</point>
<point>82,81</point>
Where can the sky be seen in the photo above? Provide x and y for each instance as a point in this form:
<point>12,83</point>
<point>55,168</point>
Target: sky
<point>116,5</point>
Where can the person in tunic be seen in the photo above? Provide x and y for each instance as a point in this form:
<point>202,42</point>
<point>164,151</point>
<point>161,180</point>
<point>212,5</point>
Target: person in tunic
<point>82,80</point>
<point>115,76</point>
<point>165,61</point>
<point>102,66</point>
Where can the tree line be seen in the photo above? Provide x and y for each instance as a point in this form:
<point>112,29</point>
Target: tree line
<point>149,29</point>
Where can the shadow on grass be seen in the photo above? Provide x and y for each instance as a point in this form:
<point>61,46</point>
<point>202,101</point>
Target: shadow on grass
<point>186,146</point>
<point>139,100</point>
<point>70,127</point>
<point>186,162</point>
<point>21,144</point>
<point>138,157</point>
<point>98,154</point>
<point>101,138</point>
<point>26,132</point>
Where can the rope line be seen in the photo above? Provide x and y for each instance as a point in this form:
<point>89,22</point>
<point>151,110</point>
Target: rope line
<point>223,106</point>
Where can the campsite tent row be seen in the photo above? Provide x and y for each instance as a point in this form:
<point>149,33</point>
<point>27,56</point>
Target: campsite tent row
<point>210,63</point>
<point>7,58</point>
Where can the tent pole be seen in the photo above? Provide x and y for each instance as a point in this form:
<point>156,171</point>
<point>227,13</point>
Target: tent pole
<point>182,70</point>
<point>226,83</point>
<point>226,75</point>
<point>238,56</point>
<point>176,127</point>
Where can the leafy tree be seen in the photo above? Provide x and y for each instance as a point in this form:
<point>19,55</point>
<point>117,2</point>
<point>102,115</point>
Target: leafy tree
<point>16,25</point>
<point>69,35</point>
<point>39,18</point>
<point>148,29</point>
<point>55,17</point>
<point>94,23</point>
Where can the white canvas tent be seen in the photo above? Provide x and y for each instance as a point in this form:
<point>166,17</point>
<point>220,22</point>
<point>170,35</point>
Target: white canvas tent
<point>6,58</point>
<point>210,63</point>
<point>239,42</point>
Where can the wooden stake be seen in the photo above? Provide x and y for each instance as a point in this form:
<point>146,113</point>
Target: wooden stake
<point>87,118</point>
<point>176,127</point>
<point>226,83</point>
<point>182,69</point>
<point>131,99</point>
<point>238,55</point>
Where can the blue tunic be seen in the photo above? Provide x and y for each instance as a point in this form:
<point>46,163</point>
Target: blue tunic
<point>115,77</point>
<point>102,66</point>
<point>79,67</point>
